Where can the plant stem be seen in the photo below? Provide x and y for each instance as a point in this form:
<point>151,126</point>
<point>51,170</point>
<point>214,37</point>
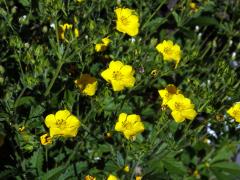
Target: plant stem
<point>54,78</point>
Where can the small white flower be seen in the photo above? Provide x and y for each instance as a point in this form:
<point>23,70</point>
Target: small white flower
<point>197,28</point>
<point>133,39</point>
<point>234,55</point>
<point>52,25</point>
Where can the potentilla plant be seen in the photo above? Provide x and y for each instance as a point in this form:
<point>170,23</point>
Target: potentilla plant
<point>119,90</point>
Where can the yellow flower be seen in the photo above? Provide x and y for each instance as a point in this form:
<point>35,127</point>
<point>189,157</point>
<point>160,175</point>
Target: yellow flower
<point>138,177</point>
<point>64,28</point>
<point>88,177</point>
<point>182,108</point>
<point>45,139</point>
<point>154,73</point>
<point>100,47</point>
<point>196,174</point>
<point>76,32</point>
<point>63,123</point>
<point>21,129</point>
<point>127,21</point>
<point>119,75</point>
<point>87,84</point>
<point>234,112</point>
<point>193,6</point>
<point>79,1</point>
<point>129,125</point>
<point>126,168</point>
<point>167,93</point>
<point>112,177</point>
<point>169,51</point>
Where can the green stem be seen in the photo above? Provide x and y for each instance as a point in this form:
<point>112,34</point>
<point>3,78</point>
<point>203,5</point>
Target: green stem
<point>20,95</point>
<point>53,79</point>
<point>160,5</point>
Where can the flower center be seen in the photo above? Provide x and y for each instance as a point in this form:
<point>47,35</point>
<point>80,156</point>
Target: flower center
<point>124,21</point>
<point>178,105</point>
<point>127,125</point>
<point>236,113</point>
<point>117,75</point>
<point>61,124</point>
<point>167,50</point>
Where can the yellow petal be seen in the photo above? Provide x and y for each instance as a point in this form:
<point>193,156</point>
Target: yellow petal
<point>72,121</point>
<point>50,120</point>
<point>117,86</point>
<point>107,75</point>
<point>106,41</point>
<point>121,119</point>
<point>116,65</point>
<point>189,114</point>
<point>54,131</point>
<point>129,82</point>
<point>126,70</point>
<point>177,116</point>
<point>70,132</point>
<point>62,114</point>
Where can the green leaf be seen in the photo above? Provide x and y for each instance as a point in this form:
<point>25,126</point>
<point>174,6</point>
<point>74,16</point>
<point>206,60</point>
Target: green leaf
<point>222,175</point>
<point>174,166</point>
<point>225,153</point>
<point>25,2</point>
<point>154,24</point>
<point>37,160</point>
<point>36,111</point>
<point>203,21</point>
<point>230,167</point>
<point>26,100</point>
<point>54,173</point>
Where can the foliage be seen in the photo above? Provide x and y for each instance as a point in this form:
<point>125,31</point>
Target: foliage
<point>37,75</point>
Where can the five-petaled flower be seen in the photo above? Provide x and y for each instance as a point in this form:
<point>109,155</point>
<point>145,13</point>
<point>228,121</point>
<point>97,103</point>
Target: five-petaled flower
<point>100,47</point>
<point>167,93</point>
<point>127,21</point>
<point>45,139</point>
<point>234,111</point>
<point>182,108</point>
<point>63,123</point>
<point>119,75</point>
<point>129,125</point>
<point>169,51</point>
<point>87,84</point>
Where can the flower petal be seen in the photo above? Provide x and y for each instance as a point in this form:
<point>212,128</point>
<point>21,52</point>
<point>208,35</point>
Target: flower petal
<point>62,114</point>
<point>177,116</point>
<point>117,86</point>
<point>127,70</point>
<point>72,121</point>
<point>189,114</point>
<point>116,65</point>
<point>107,75</point>
<point>50,120</point>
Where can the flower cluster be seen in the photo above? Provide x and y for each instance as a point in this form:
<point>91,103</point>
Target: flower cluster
<point>182,107</point>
